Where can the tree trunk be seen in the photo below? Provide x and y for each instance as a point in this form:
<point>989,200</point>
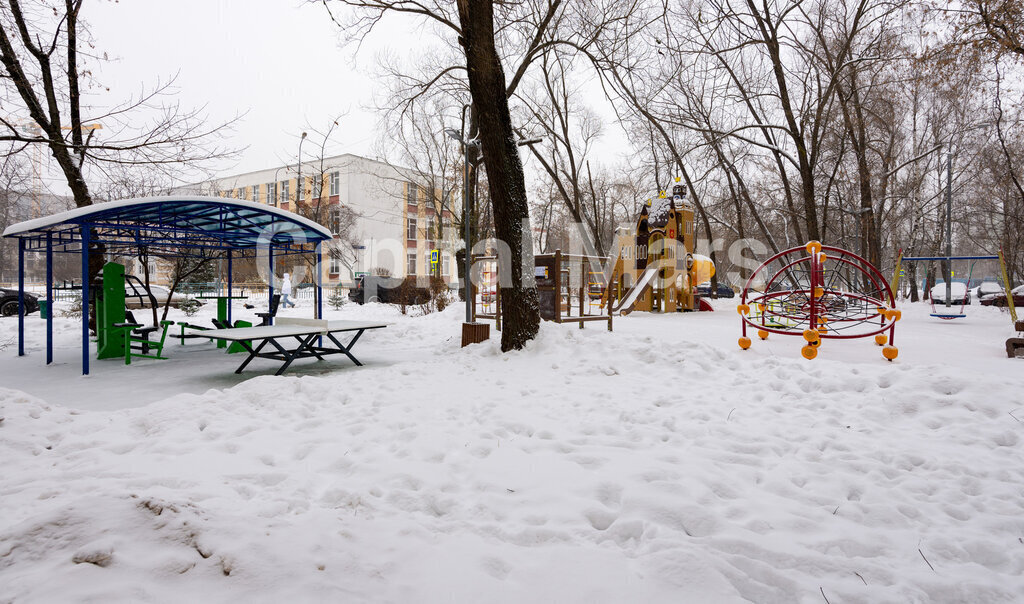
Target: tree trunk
<point>505,179</point>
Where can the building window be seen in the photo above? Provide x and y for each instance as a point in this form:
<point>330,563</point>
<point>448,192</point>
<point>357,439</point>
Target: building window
<point>410,267</point>
<point>285,191</point>
<point>446,264</point>
<point>256,193</point>
<point>272,193</point>
<point>430,228</point>
<point>413,198</point>
<point>334,219</point>
<point>411,233</point>
<point>334,266</point>
<point>335,186</point>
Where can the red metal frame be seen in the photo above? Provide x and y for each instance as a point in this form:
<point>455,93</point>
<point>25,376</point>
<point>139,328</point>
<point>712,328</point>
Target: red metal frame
<point>809,320</point>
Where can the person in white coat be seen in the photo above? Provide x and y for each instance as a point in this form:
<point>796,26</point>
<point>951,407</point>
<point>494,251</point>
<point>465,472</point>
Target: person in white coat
<point>286,290</point>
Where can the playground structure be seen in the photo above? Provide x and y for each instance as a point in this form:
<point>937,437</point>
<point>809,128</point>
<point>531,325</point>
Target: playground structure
<point>569,289</point>
<point>948,313</point>
<point>819,292</point>
<point>169,227</point>
<point>1012,344</point>
<point>656,269</point>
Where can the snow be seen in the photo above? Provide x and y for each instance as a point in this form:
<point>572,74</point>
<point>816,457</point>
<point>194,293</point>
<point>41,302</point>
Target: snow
<point>657,463</point>
<point>42,223</point>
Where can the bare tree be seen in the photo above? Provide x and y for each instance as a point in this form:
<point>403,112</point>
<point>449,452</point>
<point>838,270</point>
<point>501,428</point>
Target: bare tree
<point>45,75</point>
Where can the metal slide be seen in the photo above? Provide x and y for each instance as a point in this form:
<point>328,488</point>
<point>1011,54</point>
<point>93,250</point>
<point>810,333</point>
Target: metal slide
<point>634,293</point>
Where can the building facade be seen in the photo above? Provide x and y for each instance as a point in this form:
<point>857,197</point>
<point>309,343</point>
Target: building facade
<point>382,216</point>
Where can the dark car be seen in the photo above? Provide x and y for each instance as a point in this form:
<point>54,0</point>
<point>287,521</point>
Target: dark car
<point>724,291</point>
<point>1000,298</point>
<point>389,290</point>
<point>9,302</point>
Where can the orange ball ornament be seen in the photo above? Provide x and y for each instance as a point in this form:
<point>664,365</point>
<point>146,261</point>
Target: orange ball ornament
<point>890,352</point>
<point>762,334</point>
<point>813,247</point>
<point>744,343</point>
<point>809,352</point>
<point>881,339</point>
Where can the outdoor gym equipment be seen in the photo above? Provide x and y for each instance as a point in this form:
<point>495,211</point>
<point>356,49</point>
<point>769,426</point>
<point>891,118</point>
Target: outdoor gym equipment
<point>110,313</point>
<point>819,292</point>
<point>137,342</point>
<point>118,334</point>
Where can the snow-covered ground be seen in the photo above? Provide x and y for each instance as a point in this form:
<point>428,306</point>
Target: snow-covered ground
<point>658,463</point>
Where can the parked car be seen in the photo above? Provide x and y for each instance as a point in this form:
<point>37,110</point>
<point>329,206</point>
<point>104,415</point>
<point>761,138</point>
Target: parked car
<point>724,291</point>
<point>1000,298</point>
<point>135,295</point>
<point>959,294</point>
<point>987,288</point>
<point>9,302</point>
<point>389,290</point>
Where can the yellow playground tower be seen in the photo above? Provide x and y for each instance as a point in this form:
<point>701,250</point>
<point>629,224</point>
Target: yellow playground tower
<point>656,268</point>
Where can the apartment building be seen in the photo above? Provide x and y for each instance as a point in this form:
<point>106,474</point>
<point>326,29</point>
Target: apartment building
<point>382,216</point>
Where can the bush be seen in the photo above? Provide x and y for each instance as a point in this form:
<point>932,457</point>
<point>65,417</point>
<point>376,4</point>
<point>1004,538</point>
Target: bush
<point>190,307</point>
<point>75,310</point>
<point>337,299</point>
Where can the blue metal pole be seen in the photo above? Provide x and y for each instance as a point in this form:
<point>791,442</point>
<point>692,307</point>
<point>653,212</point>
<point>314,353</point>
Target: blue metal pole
<point>938,258</point>
<point>85,300</point>
<point>270,290</point>
<point>319,290</point>
<point>49,298</point>
<point>21,297</point>
<point>229,288</point>
<point>319,282</point>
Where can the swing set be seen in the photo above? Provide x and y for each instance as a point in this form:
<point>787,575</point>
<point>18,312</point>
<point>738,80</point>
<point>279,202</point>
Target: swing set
<point>947,312</point>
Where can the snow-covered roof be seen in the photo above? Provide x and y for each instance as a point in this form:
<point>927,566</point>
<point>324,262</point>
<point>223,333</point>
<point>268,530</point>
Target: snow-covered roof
<point>243,224</point>
<point>658,214</point>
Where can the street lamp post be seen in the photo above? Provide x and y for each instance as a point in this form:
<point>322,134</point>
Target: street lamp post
<point>466,216</point>
<point>277,183</point>
<point>299,188</point>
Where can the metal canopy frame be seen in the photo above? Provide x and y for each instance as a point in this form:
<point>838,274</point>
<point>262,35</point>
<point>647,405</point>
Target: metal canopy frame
<point>169,226</point>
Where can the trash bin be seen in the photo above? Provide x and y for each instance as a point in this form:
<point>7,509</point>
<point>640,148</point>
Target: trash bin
<point>44,309</point>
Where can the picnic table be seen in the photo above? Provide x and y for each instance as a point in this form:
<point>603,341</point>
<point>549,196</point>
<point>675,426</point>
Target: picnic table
<point>293,338</point>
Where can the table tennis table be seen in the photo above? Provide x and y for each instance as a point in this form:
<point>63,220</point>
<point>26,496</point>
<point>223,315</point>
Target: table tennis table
<point>293,338</point>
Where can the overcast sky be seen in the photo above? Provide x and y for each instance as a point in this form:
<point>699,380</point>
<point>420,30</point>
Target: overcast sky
<point>278,62</point>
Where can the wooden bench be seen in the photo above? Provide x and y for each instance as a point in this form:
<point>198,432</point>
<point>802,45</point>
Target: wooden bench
<point>1013,344</point>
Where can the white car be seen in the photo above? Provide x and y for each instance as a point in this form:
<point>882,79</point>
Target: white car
<point>987,288</point>
<point>959,294</point>
<point>135,295</point>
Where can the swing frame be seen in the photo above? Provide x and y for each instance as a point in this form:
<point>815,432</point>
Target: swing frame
<point>949,280</point>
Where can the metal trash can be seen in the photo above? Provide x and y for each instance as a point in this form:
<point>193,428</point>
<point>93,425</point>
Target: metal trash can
<point>44,309</point>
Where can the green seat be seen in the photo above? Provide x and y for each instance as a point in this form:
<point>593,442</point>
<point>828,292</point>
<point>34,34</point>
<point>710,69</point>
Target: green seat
<point>237,346</point>
<point>137,343</point>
